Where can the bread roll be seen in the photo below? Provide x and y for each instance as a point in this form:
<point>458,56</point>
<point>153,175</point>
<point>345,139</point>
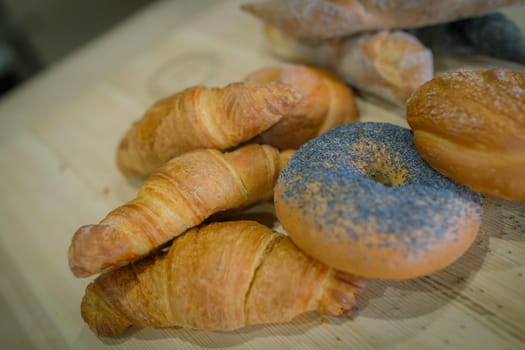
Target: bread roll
<point>470,126</point>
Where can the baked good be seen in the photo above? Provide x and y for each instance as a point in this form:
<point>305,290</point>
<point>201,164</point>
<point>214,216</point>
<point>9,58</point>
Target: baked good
<point>202,117</point>
<point>327,102</point>
<point>222,276</point>
<point>360,199</point>
<point>470,126</point>
<point>390,65</point>
<point>180,195</point>
<point>334,18</point>
<point>302,101</point>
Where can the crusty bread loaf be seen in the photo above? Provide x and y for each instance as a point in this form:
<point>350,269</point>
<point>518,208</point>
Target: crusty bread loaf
<point>331,18</point>
<point>470,126</point>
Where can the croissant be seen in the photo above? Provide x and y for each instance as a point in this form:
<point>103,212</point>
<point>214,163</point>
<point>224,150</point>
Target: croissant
<point>222,276</point>
<point>388,65</point>
<point>180,195</point>
<point>327,102</point>
<point>334,18</point>
<point>202,117</point>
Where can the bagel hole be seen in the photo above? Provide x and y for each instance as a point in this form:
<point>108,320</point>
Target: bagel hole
<point>386,176</point>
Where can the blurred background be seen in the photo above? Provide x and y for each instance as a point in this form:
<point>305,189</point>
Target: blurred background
<point>35,34</point>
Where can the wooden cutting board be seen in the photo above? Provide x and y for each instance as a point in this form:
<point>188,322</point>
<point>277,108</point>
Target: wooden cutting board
<point>58,137</point>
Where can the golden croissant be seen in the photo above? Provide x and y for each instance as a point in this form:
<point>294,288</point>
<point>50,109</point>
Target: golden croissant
<point>202,117</point>
<point>222,276</point>
<point>180,195</point>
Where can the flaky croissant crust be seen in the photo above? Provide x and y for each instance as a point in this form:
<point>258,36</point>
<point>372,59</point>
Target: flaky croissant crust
<point>180,195</point>
<point>202,117</point>
<point>222,276</point>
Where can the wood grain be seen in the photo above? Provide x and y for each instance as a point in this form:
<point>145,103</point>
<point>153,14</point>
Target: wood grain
<point>58,137</point>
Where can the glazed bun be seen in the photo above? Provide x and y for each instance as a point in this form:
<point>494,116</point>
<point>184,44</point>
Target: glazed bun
<point>470,126</point>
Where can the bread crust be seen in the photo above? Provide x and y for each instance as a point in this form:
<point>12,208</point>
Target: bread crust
<point>470,126</point>
<point>220,276</point>
<point>335,18</point>
<point>180,195</point>
<point>201,117</point>
<point>327,102</point>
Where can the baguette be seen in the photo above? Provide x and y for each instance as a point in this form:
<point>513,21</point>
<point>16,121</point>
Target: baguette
<point>335,18</point>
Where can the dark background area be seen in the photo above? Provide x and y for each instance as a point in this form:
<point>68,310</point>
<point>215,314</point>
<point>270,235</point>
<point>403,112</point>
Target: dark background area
<point>35,34</point>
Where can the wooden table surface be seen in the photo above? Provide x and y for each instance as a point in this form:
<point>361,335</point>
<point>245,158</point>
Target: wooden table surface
<point>58,136</point>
